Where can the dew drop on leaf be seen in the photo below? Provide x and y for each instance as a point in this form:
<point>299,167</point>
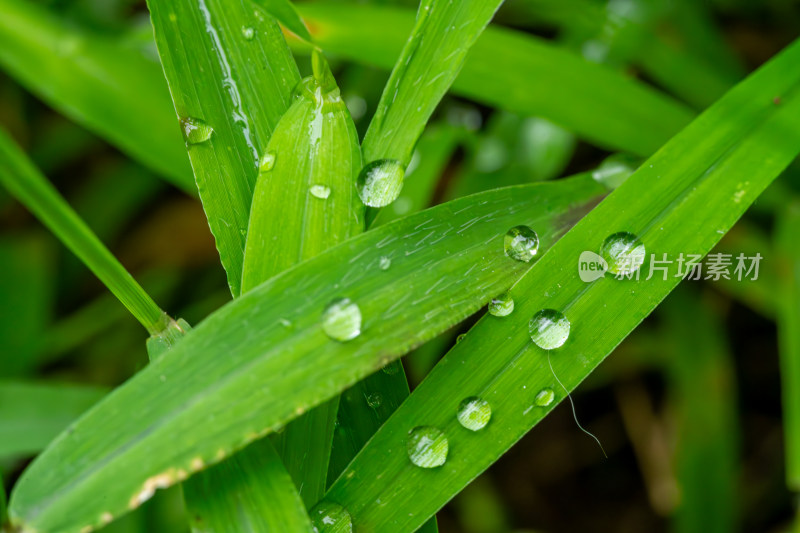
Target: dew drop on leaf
<point>380,182</point>
<point>341,320</point>
<point>427,447</point>
<point>384,263</point>
<point>195,131</point>
<point>623,252</point>
<point>502,305</point>
<point>320,191</point>
<point>248,32</point>
<point>474,413</point>
<point>544,398</point>
<point>374,400</point>
<point>549,329</point>
<point>460,338</point>
<point>267,162</point>
<point>521,243</point>
<point>329,517</point>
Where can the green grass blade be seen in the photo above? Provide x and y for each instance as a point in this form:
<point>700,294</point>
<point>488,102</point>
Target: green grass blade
<point>422,74</point>
<point>788,315</point>
<point>285,13</point>
<point>33,414</point>
<point>255,480</point>
<point>306,201</point>
<point>680,201</point>
<point>33,190</point>
<point>111,89</point>
<point>703,393</point>
<point>3,505</point>
<point>263,359</point>
<point>228,66</point>
<point>505,69</point>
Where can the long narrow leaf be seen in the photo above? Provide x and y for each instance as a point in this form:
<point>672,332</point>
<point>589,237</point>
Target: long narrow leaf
<point>516,72</point>
<point>231,74</point>
<point>430,61</point>
<point>788,295</point>
<point>99,83</point>
<point>264,358</point>
<point>680,201</point>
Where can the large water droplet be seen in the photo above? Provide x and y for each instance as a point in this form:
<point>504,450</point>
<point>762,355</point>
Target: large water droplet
<point>341,320</point>
<point>521,243</point>
<point>623,252</point>
<point>374,400</point>
<point>380,182</point>
<point>195,130</point>
<point>329,517</point>
<point>267,162</point>
<point>549,329</point>
<point>501,305</point>
<point>544,398</point>
<point>384,263</point>
<point>320,191</point>
<point>474,413</point>
<point>248,32</point>
<point>427,447</point>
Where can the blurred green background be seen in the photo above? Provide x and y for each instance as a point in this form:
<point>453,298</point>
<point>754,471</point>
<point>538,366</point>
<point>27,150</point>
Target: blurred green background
<point>689,407</point>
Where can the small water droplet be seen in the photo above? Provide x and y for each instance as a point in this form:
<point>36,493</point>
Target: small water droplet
<point>549,329</point>
<point>380,182</point>
<point>460,337</point>
<point>544,398</point>
<point>341,320</point>
<point>502,305</point>
<point>474,413</point>
<point>521,243</point>
<point>248,32</point>
<point>384,263</point>
<point>267,162</point>
<point>320,191</point>
<point>427,447</point>
<point>374,400</point>
<point>195,130</point>
<point>623,252</point>
<point>329,517</point>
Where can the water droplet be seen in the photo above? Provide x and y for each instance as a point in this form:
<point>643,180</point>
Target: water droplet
<point>521,243</point>
<point>329,517</point>
<point>320,191</point>
<point>623,252</point>
<point>267,162</point>
<point>615,169</point>
<point>501,305</point>
<point>248,32</point>
<point>544,398</point>
<point>341,320</point>
<point>384,263</point>
<point>195,130</point>
<point>380,182</point>
<point>427,447</point>
<point>374,400</point>
<point>549,329</point>
<point>460,338</point>
<point>474,413</point>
